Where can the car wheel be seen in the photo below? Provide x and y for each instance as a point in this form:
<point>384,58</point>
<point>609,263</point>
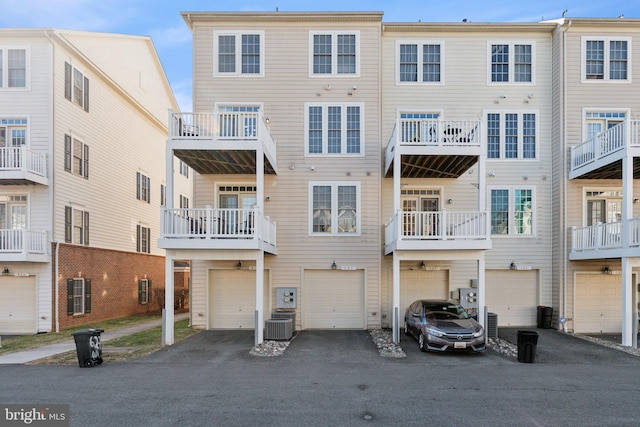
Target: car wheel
<point>422,342</point>
<point>406,328</point>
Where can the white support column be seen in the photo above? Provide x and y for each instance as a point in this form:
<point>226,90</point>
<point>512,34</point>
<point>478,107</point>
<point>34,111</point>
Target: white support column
<point>168,188</point>
<point>169,318</point>
<point>482,183</point>
<point>396,299</point>
<point>260,178</point>
<point>397,175</point>
<point>259,328</point>
<point>481,291</point>
<point>627,303</point>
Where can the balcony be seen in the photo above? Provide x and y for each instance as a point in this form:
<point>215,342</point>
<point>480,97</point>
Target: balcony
<point>601,156</point>
<point>213,228</point>
<point>20,165</point>
<point>605,240</point>
<point>434,148</point>
<point>442,230</point>
<point>24,245</point>
<point>222,142</point>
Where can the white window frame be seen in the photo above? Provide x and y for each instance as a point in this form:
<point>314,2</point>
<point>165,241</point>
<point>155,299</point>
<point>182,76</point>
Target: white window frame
<point>618,196</point>
<point>503,135</point>
<point>10,200</point>
<point>512,45</point>
<point>80,297</point>
<point>511,233</point>
<point>14,123</point>
<point>143,187</point>
<point>586,120</point>
<point>144,283</point>
<point>607,59</point>
<point>420,44</point>
<point>343,124</point>
<point>4,68</point>
<point>141,229</point>
<point>334,207</point>
<point>238,53</point>
<point>334,53</point>
<point>85,233</point>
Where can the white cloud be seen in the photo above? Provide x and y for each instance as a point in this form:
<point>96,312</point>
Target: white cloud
<point>172,36</point>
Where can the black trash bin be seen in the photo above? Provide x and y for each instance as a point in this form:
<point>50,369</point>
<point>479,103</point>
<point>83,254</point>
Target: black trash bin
<point>527,344</point>
<point>88,347</point>
<point>547,315</point>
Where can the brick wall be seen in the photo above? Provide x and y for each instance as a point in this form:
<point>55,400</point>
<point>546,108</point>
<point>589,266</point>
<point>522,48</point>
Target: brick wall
<point>114,282</point>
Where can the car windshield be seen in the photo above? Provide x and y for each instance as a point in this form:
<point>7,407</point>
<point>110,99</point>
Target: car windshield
<point>446,311</point>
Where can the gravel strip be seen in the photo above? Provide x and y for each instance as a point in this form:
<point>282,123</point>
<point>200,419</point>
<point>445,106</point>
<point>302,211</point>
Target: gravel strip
<point>386,347</point>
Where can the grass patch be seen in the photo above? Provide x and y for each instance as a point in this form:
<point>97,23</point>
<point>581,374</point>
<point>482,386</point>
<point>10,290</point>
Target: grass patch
<point>25,342</point>
<point>137,345</point>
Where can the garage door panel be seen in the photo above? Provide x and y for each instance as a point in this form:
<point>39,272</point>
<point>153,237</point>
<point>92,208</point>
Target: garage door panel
<point>333,299</point>
<point>232,299</point>
<point>513,296</point>
<point>18,305</point>
<point>598,303</point>
<point>421,284</point>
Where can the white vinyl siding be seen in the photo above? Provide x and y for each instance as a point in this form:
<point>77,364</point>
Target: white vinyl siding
<point>606,59</point>
<point>334,53</point>
<point>238,53</point>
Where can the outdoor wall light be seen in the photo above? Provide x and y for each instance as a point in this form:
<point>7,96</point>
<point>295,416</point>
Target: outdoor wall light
<point>512,266</point>
<point>5,271</point>
<point>334,265</point>
<point>239,265</point>
<point>422,266</point>
<point>606,270</point>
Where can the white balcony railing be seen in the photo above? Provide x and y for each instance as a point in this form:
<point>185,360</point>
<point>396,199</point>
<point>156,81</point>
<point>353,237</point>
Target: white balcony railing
<point>441,225</point>
<point>215,223</point>
<point>605,143</point>
<point>22,158</point>
<point>604,236</point>
<point>23,241</point>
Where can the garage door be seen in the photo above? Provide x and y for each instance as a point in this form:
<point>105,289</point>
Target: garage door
<point>18,305</point>
<point>232,299</point>
<point>513,295</point>
<point>598,303</point>
<point>333,299</point>
<point>421,284</point>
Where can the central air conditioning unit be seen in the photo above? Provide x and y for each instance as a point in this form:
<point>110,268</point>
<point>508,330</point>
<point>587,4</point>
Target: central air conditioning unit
<point>285,314</point>
<point>278,329</point>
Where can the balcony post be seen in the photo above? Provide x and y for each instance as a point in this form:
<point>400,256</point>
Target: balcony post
<point>24,237</point>
<point>443,225</point>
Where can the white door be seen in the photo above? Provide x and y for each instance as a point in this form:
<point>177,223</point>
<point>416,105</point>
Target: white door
<point>422,284</point>
<point>232,299</point>
<point>513,296</point>
<point>18,305</point>
<point>333,299</point>
<point>598,303</point>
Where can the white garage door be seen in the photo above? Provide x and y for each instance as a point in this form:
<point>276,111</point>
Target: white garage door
<point>513,295</point>
<point>598,303</point>
<point>333,299</point>
<point>422,284</point>
<point>18,305</point>
<point>232,299</point>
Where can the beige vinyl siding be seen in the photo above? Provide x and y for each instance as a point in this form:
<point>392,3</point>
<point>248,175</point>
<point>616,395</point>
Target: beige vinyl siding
<point>122,141</point>
<point>283,92</point>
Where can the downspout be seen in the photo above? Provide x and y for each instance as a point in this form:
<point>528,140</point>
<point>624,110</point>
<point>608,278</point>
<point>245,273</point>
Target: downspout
<point>564,177</point>
<point>57,287</point>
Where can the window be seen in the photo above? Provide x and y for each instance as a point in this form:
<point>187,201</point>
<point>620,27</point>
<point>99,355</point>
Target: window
<point>76,86</point>
<point>184,169</point>
<point>600,121</point>
<point>76,226</point>
<point>76,157</point>
<point>144,291</point>
<point>78,296</point>
<point>420,62</point>
<point>238,121</point>
<point>184,202</point>
<point>143,187</point>
<point>606,59</point>
<point>334,129</point>
<point>512,211</point>
<point>13,216</point>
<point>603,206</point>
<point>512,136</point>
<point>334,53</point>
<point>238,53</point>
<point>143,239</point>
<point>334,208</point>
<point>419,127</point>
<point>511,63</point>
<point>13,68</point>
<point>163,195</point>
<point>13,133</point>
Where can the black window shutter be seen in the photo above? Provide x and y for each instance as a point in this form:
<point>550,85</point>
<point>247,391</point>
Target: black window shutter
<point>138,231</point>
<point>86,161</point>
<point>149,240</point>
<point>139,291</point>
<point>149,290</point>
<point>67,80</point>
<point>67,224</point>
<point>138,185</point>
<point>67,153</point>
<point>87,295</point>
<point>86,94</point>
<point>70,297</point>
<point>148,190</point>
<point>86,228</point>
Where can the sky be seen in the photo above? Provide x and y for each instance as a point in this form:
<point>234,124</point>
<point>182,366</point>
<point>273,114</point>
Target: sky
<point>161,19</point>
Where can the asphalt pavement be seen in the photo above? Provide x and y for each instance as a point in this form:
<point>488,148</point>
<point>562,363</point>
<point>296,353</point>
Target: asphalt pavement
<point>338,378</point>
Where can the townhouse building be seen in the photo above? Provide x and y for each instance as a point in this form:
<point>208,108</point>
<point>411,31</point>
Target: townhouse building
<point>83,127</point>
<point>486,162</point>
